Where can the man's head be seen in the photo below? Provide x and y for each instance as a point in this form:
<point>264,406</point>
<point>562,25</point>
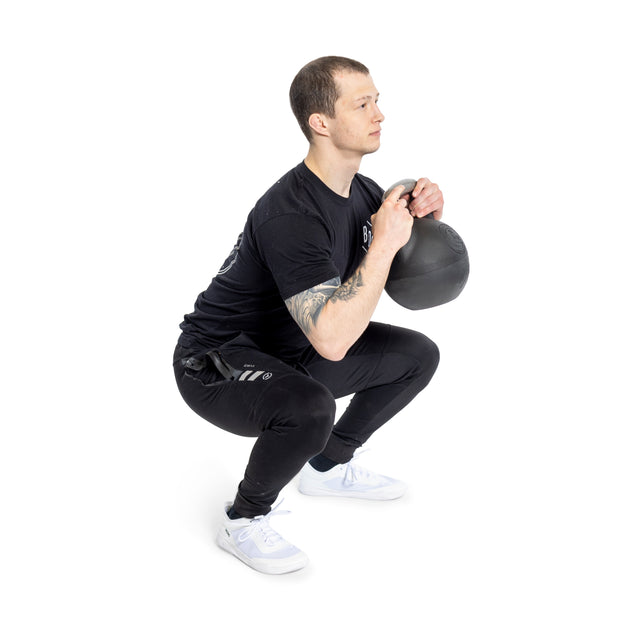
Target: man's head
<point>315,89</point>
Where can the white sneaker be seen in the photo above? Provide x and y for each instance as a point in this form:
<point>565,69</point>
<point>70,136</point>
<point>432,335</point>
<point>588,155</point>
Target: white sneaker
<point>255,543</point>
<point>351,481</point>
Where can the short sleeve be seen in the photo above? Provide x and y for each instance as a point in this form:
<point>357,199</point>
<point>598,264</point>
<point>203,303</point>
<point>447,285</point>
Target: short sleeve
<point>296,248</point>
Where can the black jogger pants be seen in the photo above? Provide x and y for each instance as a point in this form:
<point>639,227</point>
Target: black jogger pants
<point>291,410</point>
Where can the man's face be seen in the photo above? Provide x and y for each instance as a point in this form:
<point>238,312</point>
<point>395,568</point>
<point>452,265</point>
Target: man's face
<point>356,126</point>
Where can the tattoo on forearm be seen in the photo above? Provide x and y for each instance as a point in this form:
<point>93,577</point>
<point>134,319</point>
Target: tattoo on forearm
<point>305,307</point>
<point>349,289</point>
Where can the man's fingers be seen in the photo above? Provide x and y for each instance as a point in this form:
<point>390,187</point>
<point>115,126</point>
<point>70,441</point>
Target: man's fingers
<point>395,194</point>
<point>420,186</point>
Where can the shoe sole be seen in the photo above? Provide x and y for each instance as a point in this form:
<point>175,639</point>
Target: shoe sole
<point>263,566</point>
<point>327,493</point>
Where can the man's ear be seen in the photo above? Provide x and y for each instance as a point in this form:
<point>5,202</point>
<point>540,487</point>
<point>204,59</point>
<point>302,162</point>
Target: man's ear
<point>318,124</point>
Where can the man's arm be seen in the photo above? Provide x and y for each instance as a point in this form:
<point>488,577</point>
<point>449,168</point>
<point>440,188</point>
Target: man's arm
<point>333,315</point>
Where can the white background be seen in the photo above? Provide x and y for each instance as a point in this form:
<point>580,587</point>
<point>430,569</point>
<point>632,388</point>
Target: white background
<point>135,138</point>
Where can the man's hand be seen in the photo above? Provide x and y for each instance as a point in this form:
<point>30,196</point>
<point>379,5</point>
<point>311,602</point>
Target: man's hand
<point>426,198</point>
<point>392,224</point>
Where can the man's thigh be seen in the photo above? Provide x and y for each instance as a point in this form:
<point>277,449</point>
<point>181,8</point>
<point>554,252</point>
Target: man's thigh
<point>247,391</point>
<point>383,355</point>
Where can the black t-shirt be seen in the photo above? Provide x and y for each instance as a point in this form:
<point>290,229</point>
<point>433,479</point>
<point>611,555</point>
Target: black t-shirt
<point>299,234</point>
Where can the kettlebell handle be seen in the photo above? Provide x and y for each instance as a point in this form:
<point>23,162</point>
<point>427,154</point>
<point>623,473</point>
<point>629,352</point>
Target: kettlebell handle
<point>409,185</point>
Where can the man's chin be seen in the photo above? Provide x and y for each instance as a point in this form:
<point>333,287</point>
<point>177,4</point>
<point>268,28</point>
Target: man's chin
<point>372,148</point>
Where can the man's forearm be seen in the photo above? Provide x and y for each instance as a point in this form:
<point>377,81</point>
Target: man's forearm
<point>333,315</point>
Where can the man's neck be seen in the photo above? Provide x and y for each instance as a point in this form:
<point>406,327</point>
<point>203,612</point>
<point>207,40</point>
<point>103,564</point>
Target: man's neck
<point>333,169</point>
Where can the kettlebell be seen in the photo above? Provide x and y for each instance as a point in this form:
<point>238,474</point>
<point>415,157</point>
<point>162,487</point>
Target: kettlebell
<point>432,268</point>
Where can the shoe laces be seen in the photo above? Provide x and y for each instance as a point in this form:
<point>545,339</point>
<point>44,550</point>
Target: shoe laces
<point>354,473</point>
<point>260,525</point>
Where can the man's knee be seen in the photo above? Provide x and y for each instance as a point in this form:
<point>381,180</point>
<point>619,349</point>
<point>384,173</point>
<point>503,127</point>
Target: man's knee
<point>423,355</point>
<point>429,356</point>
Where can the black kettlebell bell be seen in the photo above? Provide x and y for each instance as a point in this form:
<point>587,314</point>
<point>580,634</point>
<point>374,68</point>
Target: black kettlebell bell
<point>432,268</point>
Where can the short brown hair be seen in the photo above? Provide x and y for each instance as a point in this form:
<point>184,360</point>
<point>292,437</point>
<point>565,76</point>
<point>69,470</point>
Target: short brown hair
<point>314,89</point>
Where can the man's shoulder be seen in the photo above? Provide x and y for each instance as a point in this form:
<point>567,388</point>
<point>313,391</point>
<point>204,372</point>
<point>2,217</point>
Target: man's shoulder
<point>287,196</point>
<point>292,180</point>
